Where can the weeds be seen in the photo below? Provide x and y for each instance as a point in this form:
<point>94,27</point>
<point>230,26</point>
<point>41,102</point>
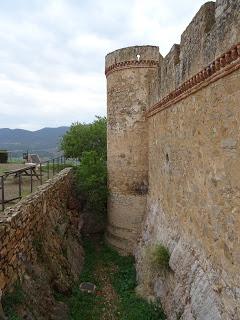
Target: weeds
<point>128,305</point>
<point>159,257</point>
<point>102,266</point>
<point>13,299</point>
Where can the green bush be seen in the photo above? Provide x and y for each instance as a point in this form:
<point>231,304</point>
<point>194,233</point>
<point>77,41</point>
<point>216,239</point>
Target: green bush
<point>91,177</point>
<point>159,257</point>
<point>3,156</point>
<point>88,143</point>
<point>11,300</point>
<point>83,137</point>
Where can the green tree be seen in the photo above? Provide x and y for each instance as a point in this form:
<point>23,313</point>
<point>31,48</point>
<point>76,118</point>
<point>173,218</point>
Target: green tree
<point>83,137</point>
<point>92,181</point>
<point>88,143</point>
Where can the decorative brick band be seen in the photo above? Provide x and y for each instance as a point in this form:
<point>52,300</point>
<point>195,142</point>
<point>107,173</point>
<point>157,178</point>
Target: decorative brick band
<point>131,64</point>
<point>222,66</point>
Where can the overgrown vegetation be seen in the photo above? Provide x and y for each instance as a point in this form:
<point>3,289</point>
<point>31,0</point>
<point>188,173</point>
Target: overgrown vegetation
<point>159,257</point>
<point>110,271</point>
<point>88,143</point>
<point>11,300</point>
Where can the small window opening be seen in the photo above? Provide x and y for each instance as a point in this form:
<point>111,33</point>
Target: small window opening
<point>138,57</point>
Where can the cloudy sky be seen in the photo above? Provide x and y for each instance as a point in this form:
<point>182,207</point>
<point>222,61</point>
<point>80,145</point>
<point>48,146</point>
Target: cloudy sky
<point>52,53</point>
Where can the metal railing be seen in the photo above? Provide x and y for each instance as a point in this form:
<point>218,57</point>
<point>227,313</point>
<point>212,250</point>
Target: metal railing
<point>14,189</point>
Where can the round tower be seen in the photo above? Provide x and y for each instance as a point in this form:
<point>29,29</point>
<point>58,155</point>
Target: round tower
<point>131,74</point>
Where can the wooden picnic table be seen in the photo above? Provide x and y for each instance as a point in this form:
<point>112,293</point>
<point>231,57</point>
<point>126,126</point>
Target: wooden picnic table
<point>25,171</point>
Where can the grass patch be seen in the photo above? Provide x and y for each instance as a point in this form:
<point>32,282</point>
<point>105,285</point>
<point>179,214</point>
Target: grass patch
<point>159,257</point>
<point>82,305</point>
<point>128,305</point>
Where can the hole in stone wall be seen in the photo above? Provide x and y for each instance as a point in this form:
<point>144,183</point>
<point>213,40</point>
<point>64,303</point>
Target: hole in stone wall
<point>167,157</point>
<point>138,57</point>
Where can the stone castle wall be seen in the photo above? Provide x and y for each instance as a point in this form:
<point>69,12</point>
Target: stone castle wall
<point>193,147</point>
<point>22,225</point>
<point>193,202</point>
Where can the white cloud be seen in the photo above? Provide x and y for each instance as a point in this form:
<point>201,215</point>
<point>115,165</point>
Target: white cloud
<point>52,53</point>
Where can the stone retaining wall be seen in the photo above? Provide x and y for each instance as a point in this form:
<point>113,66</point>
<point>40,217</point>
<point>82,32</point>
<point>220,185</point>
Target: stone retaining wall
<point>21,225</point>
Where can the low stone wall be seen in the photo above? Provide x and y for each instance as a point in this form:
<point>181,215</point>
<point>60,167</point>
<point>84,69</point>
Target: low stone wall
<point>22,224</point>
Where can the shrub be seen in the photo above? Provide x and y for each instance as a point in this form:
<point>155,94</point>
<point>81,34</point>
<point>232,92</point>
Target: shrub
<point>91,176</point>
<point>159,257</point>
<point>88,143</point>
<point>3,156</point>
<point>84,137</point>
<point>12,299</point>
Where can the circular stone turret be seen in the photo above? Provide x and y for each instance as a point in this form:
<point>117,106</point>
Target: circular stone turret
<point>131,73</point>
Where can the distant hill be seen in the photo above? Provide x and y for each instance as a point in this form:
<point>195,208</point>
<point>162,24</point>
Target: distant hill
<point>45,141</point>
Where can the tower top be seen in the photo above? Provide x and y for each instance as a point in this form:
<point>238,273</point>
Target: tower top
<point>129,57</point>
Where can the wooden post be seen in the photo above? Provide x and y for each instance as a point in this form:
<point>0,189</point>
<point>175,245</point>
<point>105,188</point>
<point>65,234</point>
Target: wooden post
<point>19,185</point>
<point>48,173</point>
<point>41,179</point>
<point>31,181</point>
<point>2,188</point>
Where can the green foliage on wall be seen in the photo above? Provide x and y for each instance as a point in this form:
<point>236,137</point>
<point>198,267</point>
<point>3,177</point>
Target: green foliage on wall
<point>159,257</point>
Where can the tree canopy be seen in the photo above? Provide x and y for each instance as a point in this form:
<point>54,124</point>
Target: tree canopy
<point>83,137</point>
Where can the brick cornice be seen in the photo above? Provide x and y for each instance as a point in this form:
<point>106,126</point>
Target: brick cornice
<point>131,64</point>
<point>219,68</point>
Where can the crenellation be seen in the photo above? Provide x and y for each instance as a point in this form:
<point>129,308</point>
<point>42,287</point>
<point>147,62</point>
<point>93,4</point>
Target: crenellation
<point>207,37</point>
<point>225,64</point>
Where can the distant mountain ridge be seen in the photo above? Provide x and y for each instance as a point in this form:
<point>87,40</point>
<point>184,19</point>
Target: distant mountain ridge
<point>45,141</point>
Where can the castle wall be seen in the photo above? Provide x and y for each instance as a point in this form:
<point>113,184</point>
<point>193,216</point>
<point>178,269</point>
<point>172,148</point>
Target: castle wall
<point>22,225</point>
<point>193,202</point>
<point>191,167</point>
<point>213,30</point>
